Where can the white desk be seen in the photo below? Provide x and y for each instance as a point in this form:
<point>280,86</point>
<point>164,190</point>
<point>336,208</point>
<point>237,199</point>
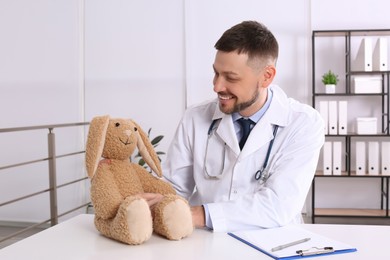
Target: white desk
<point>77,238</point>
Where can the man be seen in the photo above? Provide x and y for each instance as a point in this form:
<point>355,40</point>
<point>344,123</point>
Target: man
<point>223,182</point>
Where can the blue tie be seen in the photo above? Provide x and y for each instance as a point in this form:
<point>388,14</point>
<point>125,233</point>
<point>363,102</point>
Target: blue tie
<point>246,129</point>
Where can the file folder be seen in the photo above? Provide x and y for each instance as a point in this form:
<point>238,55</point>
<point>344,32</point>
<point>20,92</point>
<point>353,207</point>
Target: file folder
<point>265,240</point>
<point>333,118</point>
<point>385,169</point>
<point>323,109</point>
<point>336,158</point>
<point>342,118</point>
<point>373,158</point>
<point>360,158</point>
<point>363,61</point>
<point>327,158</point>
<point>379,61</point>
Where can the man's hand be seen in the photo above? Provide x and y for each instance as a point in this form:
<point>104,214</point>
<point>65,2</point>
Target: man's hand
<point>198,217</point>
<point>151,198</point>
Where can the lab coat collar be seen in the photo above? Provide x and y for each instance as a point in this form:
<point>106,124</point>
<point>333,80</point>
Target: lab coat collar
<point>262,133</point>
<point>278,112</point>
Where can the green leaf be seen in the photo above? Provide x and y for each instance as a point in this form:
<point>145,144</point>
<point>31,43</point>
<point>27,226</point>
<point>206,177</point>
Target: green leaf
<point>141,162</point>
<point>157,139</point>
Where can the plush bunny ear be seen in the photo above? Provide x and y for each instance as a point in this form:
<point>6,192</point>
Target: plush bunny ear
<point>147,151</point>
<point>95,143</point>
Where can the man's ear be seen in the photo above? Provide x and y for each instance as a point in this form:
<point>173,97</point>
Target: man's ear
<point>269,73</point>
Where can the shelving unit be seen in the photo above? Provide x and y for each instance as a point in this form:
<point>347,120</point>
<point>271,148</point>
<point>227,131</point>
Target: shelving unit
<point>346,92</point>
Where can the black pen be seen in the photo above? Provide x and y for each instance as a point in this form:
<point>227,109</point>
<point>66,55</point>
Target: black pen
<point>290,244</point>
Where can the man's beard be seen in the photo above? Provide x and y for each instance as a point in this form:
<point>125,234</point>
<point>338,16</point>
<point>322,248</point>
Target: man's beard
<point>242,106</point>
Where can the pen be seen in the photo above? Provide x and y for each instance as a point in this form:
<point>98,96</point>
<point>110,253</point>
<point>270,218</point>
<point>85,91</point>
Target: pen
<point>290,244</point>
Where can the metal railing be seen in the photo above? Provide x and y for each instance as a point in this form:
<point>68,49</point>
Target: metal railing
<point>53,187</point>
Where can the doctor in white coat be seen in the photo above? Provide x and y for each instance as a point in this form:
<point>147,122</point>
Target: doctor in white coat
<point>231,188</point>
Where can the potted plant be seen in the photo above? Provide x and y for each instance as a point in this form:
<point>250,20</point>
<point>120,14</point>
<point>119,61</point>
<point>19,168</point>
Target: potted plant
<point>330,81</point>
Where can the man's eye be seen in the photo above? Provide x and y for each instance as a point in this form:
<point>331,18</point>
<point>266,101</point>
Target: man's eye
<point>231,79</point>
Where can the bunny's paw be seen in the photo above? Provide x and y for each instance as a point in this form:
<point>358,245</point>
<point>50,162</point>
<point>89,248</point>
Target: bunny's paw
<point>173,219</point>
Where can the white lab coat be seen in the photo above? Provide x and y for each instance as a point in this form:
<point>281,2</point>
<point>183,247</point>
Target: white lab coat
<point>236,200</point>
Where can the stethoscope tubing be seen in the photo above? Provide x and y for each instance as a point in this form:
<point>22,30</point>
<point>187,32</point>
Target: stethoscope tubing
<point>259,173</point>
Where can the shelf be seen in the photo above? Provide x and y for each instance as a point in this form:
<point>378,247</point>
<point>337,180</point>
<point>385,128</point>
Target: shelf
<point>349,94</point>
<point>358,32</point>
<point>353,174</point>
<point>378,101</point>
<point>335,212</point>
<point>373,72</point>
<point>358,135</point>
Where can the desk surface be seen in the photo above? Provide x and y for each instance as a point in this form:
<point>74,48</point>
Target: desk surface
<point>77,238</point>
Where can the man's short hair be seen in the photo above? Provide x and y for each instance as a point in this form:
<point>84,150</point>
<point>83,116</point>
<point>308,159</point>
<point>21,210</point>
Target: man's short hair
<point>251,38</point>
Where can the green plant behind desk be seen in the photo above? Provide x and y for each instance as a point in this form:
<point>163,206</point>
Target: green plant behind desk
<point>330,78</point>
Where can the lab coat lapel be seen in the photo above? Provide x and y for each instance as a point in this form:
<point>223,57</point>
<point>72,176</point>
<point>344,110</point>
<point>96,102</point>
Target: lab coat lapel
<point>260,136</point>
<point>227,133</point>
<point>262,133</point>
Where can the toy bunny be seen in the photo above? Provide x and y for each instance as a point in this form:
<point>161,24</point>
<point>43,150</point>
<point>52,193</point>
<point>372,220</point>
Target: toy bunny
<point>119,212</point>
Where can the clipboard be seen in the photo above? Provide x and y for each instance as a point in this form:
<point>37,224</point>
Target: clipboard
<point>265,240</point>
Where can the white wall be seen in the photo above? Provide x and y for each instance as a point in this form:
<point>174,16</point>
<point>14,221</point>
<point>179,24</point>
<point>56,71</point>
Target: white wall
<point>39,66</point>
<point>66,61</point>
<point>134,62</point>
<point>40,83</point>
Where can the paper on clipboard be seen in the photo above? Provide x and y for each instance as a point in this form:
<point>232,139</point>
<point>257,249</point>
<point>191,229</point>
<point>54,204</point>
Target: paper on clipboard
<point>266,239</point>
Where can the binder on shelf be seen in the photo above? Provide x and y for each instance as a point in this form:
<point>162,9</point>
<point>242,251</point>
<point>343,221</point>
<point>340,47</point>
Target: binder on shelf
<point>291,242</point>
<point>336,158</point>
<point>363,61</point>
<point>327,158</point>
<point>332,118</point>
<point>379,60</point>
<point>385,169</point>
<point>323,109</point>
<point>373,158</point>
<point>360,158</point>
<point>342,118</point>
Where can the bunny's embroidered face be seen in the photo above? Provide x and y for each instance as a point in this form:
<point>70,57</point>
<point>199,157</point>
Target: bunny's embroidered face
<point>121,139</point>
<point>116,139</point>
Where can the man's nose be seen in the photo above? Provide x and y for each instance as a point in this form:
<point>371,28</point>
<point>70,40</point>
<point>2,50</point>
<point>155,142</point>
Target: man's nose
<point>218,84</point>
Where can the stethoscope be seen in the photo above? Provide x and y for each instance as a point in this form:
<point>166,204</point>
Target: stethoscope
<point>260,174</point>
